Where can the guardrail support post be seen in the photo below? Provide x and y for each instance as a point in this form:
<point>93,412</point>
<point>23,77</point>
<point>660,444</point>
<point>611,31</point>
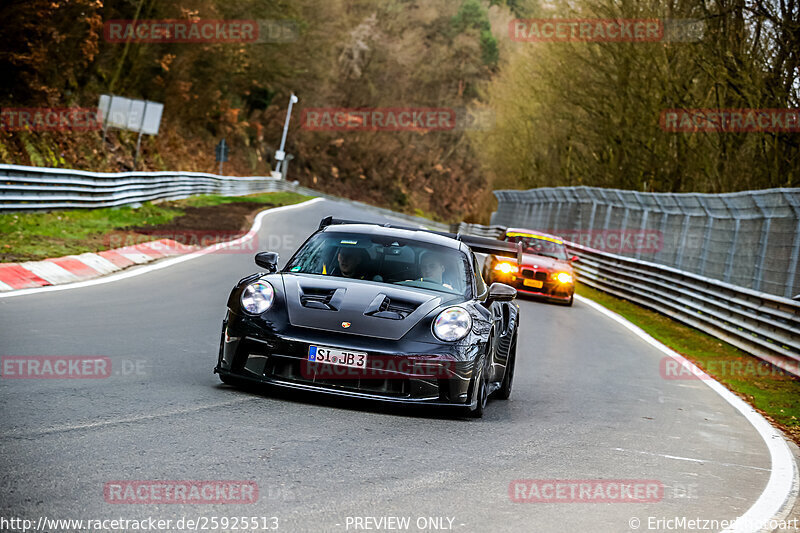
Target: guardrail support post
<point>682,244</point>
<point>706,234</point>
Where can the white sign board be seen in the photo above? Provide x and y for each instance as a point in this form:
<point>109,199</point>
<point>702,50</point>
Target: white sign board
<point>135,115</point>
<point>103,107</point>
<point>132,115</point>
<point>152,118</point>
<point>118,112</point>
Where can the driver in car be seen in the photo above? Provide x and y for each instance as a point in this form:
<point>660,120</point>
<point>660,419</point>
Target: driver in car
<point>352,263</point>
<point>431,267</point>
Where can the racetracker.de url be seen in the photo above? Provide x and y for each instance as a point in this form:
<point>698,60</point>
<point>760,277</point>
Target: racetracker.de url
<point>108,525</point>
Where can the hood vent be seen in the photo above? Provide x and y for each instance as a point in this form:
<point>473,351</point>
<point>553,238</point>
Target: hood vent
<point>321,298</point>
<point>394,309</point>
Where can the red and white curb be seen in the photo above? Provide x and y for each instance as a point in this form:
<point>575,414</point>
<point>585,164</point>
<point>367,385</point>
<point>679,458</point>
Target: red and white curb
<point>127,256</point>
<point>72,268</point>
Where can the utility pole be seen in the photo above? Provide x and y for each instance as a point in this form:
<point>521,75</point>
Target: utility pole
<point>221,152</point>
<point>280,155</point>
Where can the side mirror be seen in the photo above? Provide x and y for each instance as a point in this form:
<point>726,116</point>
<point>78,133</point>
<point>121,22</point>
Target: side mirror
<point>574,258</point>
<point>500,292</point>
<point>268,260</point>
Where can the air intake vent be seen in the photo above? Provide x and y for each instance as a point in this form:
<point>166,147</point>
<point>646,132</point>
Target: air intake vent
<point>394,309</point>
<point>317,298</point>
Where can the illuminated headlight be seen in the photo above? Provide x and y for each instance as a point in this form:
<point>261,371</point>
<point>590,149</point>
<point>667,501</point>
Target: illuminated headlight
<point>452,324</point>
<point>563,277</point>
<point>505,268</point>
<point>257,297</point>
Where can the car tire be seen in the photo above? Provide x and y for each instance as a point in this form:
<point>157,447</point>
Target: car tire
<point>504,392</point>
<point>482,396</point>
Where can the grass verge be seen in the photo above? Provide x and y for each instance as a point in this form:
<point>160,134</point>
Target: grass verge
<point>774,393</point>
<point>37,236</point>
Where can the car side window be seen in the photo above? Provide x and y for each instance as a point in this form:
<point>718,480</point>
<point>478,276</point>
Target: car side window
<point>480,285</point>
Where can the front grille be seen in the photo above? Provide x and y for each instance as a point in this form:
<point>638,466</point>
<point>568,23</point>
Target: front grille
<point>289,368</point>
<point>531,274</point>
<point>287,361</point>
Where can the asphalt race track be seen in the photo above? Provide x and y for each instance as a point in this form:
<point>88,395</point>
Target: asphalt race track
<point>589,403</point>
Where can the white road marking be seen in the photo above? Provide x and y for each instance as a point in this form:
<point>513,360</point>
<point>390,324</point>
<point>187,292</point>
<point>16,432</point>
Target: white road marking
<point>128,420</point>
<point>778,496</point>
<point>161,264</point>
<point>690,459</point>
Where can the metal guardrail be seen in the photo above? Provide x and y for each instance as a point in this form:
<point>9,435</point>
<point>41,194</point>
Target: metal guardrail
<point>33,188</point>
<point>761,324</point>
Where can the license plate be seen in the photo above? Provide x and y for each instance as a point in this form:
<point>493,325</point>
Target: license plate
<point>535,283</point>
<point>333,356</point>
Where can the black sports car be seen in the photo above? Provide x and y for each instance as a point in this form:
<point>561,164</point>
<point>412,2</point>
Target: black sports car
<point>377,312</point>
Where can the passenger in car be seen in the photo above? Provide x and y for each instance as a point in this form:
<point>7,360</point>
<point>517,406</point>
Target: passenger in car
<point>432,268</point>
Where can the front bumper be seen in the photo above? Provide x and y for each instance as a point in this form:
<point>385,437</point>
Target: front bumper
<point>424,374</point>
<point>550,290</point>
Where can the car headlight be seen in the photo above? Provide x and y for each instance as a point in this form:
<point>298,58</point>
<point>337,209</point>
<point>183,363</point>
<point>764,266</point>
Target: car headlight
<point>564,277</point>
<point>505,268</point>
<point>257,297</point>
<point>452,324</point>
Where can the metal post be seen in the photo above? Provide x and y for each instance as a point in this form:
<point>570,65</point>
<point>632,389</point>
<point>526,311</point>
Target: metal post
<point>682,243</point>
<point>766,223</point>
<point>643,228</point>
<point>607,221</point>
<point>734,242</point>
<point>664,219</point>
<point>707,235</point>
<point>106,113</point>
<point>285,166</point>
<point>139,139</point>
<point>555,229</point>
<point>281,154</point>
<point>795,248</point>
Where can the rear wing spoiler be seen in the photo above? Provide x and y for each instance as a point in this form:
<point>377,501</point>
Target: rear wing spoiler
<point>330,221</point>
<point>481,245</point>
<point>485,245</point>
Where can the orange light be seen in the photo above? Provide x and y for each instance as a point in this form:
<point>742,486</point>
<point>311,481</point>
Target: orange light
<point>505,268</point>
<point>563,277</point>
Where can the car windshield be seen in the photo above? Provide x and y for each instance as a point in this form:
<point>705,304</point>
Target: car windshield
<point>539,245</point>
<point>383,259</point>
